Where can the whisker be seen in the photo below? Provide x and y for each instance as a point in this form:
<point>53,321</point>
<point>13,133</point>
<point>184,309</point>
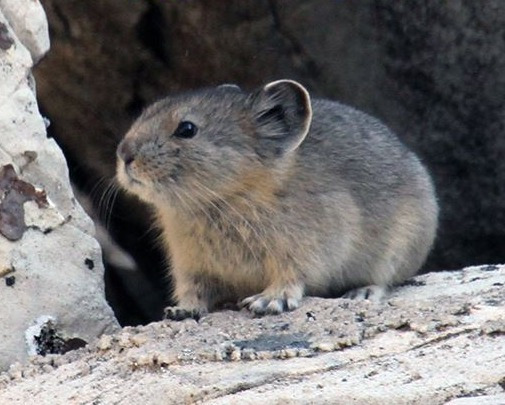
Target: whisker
<point>226,217</point>
<point>103,203</point>
<point>199,206</point>
<point>238,213</point>
<point>152,228</point>
<point>94,190</point>
<point>110,208</point>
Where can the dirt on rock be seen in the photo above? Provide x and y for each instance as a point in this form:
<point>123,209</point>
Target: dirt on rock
<point>436,339</point>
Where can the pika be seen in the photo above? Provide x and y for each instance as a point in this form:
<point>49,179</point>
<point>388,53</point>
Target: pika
<point>267,196</point>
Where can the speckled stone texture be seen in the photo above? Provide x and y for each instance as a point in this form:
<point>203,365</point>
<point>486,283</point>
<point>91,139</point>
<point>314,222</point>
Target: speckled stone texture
<point>45,236</point>
<point>438,338</point>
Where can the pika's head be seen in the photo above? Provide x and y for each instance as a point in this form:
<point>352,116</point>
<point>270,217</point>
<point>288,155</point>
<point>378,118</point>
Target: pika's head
<point>192,146</point>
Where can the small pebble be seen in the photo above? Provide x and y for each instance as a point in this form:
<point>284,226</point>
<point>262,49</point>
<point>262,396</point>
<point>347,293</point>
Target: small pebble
<point>325,347</point>
<point>139,340</point>
<point>105,342</point>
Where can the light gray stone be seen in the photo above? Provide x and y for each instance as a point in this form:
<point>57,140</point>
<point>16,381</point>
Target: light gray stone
<point>54,268</point>
<point>29,22</point>
<point>498,399</point>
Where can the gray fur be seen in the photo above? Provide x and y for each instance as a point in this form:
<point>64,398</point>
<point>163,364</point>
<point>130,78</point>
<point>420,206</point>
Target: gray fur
<point>348,207</point>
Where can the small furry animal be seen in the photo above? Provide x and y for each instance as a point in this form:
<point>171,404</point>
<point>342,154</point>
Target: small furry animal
<point>266,196</point>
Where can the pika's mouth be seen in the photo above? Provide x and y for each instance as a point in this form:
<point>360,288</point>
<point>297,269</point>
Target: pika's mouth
<point>128,177</point>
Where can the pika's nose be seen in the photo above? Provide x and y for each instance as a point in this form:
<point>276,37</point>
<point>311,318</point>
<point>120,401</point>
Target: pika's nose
<point>125,151</point>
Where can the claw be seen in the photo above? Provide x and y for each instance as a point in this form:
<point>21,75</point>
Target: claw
<point>372,292</point>
<point>179,313</point>
<point>261,304</point>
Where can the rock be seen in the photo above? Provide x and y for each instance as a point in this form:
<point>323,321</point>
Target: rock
<point>480,400</point>
<point>29,22</point>
<point>437,338</point>
<point>51,300</point>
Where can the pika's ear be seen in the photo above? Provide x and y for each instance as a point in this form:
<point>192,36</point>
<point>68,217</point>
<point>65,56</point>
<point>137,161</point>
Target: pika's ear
<point>282,115</point>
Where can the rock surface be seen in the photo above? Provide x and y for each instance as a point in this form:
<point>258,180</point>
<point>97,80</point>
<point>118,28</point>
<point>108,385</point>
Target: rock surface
<point>438,338</point>
<point>29,22</point>
<point>51,276</point>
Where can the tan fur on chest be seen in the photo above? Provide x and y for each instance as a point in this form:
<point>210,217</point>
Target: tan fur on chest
<point>225,245</point>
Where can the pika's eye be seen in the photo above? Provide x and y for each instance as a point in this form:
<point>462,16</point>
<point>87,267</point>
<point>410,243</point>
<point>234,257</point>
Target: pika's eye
<point>186,129</point>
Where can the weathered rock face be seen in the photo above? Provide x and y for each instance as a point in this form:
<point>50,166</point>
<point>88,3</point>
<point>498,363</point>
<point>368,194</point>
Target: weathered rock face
<point>51,276</point>
<point>443,87</point>
<point>434,72</point>
<point>438,338</point>
<point>29,22</point>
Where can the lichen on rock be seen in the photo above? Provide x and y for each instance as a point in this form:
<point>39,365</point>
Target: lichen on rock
<point>14,192</point>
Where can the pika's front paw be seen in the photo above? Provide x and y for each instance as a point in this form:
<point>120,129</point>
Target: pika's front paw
<point>180,313</point>
<point>373,293</point>
<point>265,303</point>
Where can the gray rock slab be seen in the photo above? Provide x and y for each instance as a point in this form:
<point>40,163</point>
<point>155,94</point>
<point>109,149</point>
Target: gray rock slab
<point>441,337</point>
